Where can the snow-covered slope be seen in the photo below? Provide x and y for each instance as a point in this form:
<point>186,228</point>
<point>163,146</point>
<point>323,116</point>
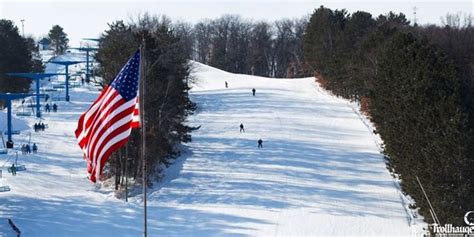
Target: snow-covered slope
<point>319,172</point>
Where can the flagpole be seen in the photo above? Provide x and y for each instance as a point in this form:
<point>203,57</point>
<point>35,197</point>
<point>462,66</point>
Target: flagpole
<point>143,133</point>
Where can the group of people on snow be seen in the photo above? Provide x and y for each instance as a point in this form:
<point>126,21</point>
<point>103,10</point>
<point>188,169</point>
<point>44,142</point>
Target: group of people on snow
<point>242,129</point>
<point>26,149</point>
<point>48,109</point>
<point>39,127</point>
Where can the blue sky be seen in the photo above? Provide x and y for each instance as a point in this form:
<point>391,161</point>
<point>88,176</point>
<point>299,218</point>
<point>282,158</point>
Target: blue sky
<point>82,19</point>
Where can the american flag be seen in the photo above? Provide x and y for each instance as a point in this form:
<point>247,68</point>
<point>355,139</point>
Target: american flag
<point>107,124</point>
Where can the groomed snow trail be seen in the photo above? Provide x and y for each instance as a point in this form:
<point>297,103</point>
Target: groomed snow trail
<point>319,172</point>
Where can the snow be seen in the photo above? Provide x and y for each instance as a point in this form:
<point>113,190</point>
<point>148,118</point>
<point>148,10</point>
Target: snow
<point>17,124</point>
<point>46,55</point>
<point>320,172</point>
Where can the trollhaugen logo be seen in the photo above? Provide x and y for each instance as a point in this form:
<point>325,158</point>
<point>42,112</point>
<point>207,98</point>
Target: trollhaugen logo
<point>469,218</point>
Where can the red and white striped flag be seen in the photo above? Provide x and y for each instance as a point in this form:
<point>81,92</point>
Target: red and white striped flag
<point>107,124</point>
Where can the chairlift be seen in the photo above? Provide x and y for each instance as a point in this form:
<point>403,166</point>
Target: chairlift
<point>58,86</point>
<point>23,112</point>
<point>3,188</point>
<point>75,84</point>
<point>18,167</point>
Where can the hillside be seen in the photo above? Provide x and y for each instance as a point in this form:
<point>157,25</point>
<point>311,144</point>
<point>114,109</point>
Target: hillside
<point>319,173</point>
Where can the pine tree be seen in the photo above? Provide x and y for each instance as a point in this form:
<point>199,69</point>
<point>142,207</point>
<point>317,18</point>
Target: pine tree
<point>16,55</point>
<point>59,40</point>
<point>418,112</point>
<point>325,48</point>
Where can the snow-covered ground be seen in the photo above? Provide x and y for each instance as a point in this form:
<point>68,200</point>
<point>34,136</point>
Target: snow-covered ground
<point>319,173</point>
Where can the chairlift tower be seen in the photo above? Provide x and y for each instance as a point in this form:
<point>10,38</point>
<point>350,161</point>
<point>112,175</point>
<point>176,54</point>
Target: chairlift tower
<point>87,50</point>
<point>8,97</point>
<point>67,64</point>
<point>36,77</point>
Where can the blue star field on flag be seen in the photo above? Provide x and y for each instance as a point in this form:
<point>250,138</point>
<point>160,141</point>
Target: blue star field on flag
<point>126,82</point>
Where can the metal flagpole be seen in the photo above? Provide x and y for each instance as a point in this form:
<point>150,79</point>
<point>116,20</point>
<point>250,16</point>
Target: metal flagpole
<point>143,131</point>
<point>126,173</point>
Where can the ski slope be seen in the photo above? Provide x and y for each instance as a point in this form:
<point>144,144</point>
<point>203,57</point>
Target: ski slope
<point>319,173</point>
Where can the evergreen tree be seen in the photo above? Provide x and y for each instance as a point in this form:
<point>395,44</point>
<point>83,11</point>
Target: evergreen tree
<point>15,56</point>
<point>37,64</point>
<point>418,112</point>
<point>59,40</point>
<point>325,47</point>
<point>115,47</point>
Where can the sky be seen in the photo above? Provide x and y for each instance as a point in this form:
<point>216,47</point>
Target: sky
<point>88,18</point>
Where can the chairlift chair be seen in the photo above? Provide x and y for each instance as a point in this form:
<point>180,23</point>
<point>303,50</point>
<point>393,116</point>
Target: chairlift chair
<point>3,188</point>
<point>23,112</point>
<point>18,167</point>
<point>50,89</point>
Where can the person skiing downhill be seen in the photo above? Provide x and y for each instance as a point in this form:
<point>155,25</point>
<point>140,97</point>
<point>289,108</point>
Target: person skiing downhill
<point>253,91</point>
<point>260,143</point>
<point>242,128</point>
<point>226,85</point>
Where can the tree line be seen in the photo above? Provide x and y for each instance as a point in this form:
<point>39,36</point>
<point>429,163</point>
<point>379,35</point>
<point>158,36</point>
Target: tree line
<point>166,103</point>
<point>416,85</point>
<point>237,45</point>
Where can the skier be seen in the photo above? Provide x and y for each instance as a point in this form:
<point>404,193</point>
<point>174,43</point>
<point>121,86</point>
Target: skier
<point>253,91</point>
<point>13,170</point>
<point>55,107</point>
<point>27,149</point>
<point>35,127</point>
<point>242,128</point>
<point>260,143</point>
<point>226,85</point>
<point>41,126</point>
<point>47,108</point>
<point>35,148</point>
